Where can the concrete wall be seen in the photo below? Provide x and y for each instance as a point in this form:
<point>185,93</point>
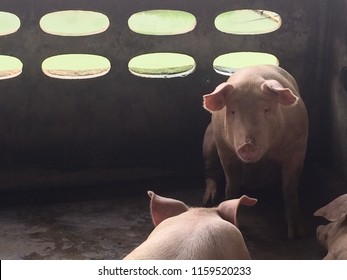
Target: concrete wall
<point>76,132</point>
<point>337,60</point>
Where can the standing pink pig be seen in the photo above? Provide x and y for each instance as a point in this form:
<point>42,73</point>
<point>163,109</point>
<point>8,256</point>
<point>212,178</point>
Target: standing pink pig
<point>188,233</point>
<point>257,114</point>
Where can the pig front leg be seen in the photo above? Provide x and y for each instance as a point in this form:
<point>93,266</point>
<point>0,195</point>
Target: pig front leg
<point>232,170</point>
<point>213,180</point>
<point>213,169</point>
<point>291,173</point>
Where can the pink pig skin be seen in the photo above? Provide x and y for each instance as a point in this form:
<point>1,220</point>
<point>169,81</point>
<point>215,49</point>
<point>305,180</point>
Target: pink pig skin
<point>333,236</point>
<point>257,114</point>
<point>188,233</point>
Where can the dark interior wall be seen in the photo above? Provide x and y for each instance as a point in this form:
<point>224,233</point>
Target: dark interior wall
<point>66,131</point>
<point>337,60</point>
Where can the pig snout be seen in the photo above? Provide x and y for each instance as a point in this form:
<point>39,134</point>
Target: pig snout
<point>249,151</point>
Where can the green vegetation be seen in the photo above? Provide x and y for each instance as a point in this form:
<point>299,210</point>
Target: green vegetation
<point>248,22</point>
<point>162,22</point>
<point>229,63</point>
<point>161,64</point>
<point>74,23</point>
<point>9,23</point>
<point>76,66</point>
<point>9,67</point>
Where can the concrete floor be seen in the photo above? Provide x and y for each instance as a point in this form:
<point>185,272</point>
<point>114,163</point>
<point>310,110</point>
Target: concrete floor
<point>110,225</point>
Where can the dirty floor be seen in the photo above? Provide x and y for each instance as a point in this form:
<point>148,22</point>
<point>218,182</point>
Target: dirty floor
<point>109,226</point>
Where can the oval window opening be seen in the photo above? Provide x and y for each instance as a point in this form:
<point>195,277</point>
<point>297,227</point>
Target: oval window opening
<point>162,65</point>
<point>10,67</point>
<point>74,23</point>
<point>9,23</point>
<point>76,66</point>
<point>162,22</point>
<point>248,22</point>
<point>227,64</point>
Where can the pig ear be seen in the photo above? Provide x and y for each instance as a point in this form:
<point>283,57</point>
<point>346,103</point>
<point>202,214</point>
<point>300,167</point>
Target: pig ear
<point>284,95</point>
<point>228,209</point>
<point>163,208</point>
<point>334,210</point>
<point>215,101</point>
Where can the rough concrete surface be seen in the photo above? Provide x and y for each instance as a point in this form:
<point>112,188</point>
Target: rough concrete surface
<point>110,226</point>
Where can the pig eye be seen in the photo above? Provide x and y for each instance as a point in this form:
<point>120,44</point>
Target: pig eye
<point>266,110</point>
<point>233,112</point>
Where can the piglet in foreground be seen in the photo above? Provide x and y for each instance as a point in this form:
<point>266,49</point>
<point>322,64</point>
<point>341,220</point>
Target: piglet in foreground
<point>188,233</point>
<point>258,115</point>
<point>334,235</point>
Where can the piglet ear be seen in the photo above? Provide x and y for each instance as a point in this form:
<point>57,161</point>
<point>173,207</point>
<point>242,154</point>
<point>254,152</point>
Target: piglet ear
<point>215,101</point>
<point>284,95</point>
<point>228,209</point>
<point>335,210</point>
<point>163,208</point>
